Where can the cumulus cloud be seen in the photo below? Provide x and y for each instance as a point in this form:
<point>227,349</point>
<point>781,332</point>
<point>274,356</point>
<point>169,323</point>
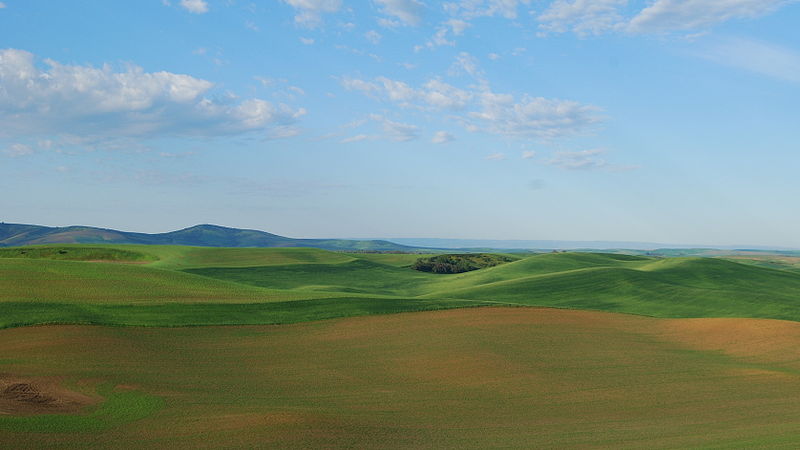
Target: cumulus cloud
<point>583,17</point>
<point>528,154</point>
<point>373,36</point>
<point>195,6</point>
<point>449,28</point>
<point>468,64</point>
<point>309,12</point>
<point>408,12</point>
<point>533,116</point>
<point>434,94</point>
<point>442,137</point>
<point>470,9</point>
<point>400,132</point>
<point>481,109</point>
<point>63,99</point>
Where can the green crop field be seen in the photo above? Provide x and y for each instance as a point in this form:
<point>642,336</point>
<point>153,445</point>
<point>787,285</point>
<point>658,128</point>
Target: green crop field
<point>207,347</point>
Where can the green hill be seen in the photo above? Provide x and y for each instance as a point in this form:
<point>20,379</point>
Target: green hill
<point>175,285</point>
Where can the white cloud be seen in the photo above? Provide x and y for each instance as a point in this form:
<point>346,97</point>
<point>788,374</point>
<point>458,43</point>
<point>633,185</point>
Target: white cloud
<point>496,157</point>
<point>458,26</point>
<point>356,138</point>
<point>592,17</point>
<point>455,27</point>
<point>494,56</point>
<point>533,116</point>
<point>373,36</point>
<point>409,12</point>
<point>309,12</point>
<point>307,41</point>
<point>2,5</point>
<point>481,109</point>
<point>583,17</point>
<point>282,132</point>
<point>17,150</point>
<point>400,132</point>
<point>585,159</point>
<point>470,9</point>
<point>528,154</point>
<point>441,95</point>
<point>195,6</point>
<point>467,63</point>
<point>755,56</point>
<point>442,137</point>
<point>434,94</point>
<point>667,15</point>
<point>102,103</point>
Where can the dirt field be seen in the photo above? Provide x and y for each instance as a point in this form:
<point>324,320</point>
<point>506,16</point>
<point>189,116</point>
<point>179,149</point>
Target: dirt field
<point>487,377</point>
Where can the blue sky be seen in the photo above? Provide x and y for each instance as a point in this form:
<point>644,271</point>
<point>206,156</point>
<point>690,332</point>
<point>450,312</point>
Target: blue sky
<point>669,121</point>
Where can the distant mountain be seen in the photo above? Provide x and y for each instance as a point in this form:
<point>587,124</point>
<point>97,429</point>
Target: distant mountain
<point>12,234</point>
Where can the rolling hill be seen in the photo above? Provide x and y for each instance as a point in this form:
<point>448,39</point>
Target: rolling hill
<point>181,353</point>
<point>176,285</point>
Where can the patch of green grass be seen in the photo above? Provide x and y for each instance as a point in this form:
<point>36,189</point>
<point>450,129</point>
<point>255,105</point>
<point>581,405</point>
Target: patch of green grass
<point>16,314</point>
<point>357,276</point>
<point>77,253</point>
<point>87,283</point>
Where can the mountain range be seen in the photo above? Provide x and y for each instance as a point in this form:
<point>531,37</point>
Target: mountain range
<point>206,235</point>
<point>12,234</point>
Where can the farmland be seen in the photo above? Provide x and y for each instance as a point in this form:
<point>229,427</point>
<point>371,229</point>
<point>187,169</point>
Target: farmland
<point>304,347</point>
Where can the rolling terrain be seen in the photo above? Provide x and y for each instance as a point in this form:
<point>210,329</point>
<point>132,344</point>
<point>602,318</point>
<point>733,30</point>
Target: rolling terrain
<point>406,358</point>
<point>102,284</point>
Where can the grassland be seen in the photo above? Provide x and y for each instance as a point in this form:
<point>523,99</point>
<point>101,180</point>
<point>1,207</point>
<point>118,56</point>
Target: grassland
<point>173,285</point>
<point>697,372</point>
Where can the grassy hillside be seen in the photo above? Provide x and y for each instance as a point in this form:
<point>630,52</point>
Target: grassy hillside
<point>181,285</point>
<point>488,378</point>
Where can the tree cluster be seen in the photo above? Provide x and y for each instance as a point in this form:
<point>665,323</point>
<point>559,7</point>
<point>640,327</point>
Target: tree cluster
<point>458,263</point>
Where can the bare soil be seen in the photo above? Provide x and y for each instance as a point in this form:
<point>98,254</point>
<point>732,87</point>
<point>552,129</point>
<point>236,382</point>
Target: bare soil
<point>21,396</point>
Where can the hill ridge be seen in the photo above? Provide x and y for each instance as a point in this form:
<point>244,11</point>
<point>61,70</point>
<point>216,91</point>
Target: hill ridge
<point>201,235</point>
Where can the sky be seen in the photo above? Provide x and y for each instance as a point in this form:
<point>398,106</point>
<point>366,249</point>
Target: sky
<point>670,121</point>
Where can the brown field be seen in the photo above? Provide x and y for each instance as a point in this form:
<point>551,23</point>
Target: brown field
<point>486,377</point>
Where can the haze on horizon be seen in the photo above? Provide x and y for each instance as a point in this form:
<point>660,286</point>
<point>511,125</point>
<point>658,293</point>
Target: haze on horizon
<point>670,121</point>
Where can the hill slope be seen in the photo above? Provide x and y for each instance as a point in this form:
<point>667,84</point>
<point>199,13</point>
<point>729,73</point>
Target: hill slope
<point>174,285</point>
<point>199,236</point>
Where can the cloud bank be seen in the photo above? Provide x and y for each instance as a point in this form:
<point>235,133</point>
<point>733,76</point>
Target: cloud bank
<point>102,102</point>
